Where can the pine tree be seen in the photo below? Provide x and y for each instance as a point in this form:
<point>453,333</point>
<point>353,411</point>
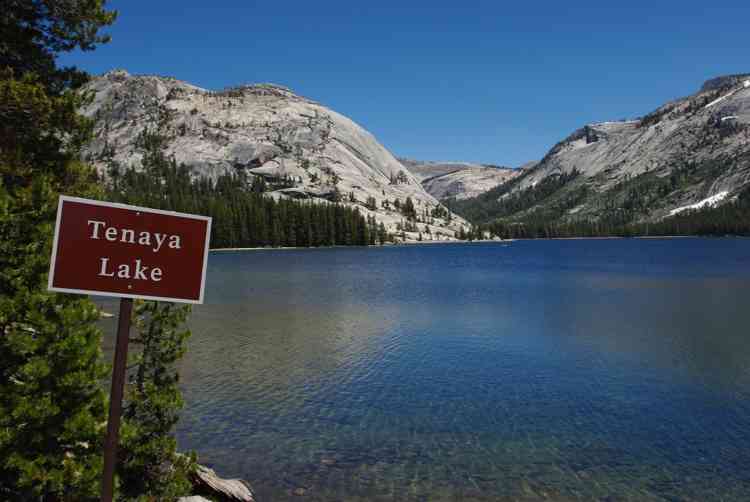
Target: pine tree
<point>408,210</point>
<point>382,233</point>
<point>258,185</point>
<point>149,464</point>
<point>51,403</point>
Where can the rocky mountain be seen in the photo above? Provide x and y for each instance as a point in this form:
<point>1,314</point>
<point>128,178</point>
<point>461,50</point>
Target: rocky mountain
<point>690,153</point>
<point>458,180</point>
<point>301,148</point>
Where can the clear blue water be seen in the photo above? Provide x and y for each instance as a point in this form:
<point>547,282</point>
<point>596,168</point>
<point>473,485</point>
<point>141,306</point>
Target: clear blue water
<point>536,370</point>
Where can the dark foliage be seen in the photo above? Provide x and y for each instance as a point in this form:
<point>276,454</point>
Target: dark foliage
<point>500,202</point>
<point>242,215</point>
<point>51,402</point>
<point>625,209</point>
<point>728,219</point>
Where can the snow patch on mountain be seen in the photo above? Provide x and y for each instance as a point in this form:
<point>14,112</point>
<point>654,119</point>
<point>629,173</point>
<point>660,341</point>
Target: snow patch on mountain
<point>710,126</point>
<point>707,202</point>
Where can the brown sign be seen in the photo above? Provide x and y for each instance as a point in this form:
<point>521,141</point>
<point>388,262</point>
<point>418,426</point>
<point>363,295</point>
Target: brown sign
<point>107,249</point>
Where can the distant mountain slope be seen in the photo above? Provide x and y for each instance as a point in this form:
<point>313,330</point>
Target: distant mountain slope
<point>690,153</point>
<point>458,180</point>
<point>300,147</point>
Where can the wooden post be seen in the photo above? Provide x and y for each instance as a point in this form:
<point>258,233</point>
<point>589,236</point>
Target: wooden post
<point>115,398</point>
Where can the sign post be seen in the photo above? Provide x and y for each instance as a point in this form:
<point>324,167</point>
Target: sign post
<point>107,249</point>
<point>115,400</point>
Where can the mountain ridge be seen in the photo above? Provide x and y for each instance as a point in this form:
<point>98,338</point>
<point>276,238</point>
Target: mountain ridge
<point>458,180</point>
<point>300,147</point>
<point>689,153</point>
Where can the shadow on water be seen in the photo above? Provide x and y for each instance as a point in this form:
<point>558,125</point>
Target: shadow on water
<point>562,370</point>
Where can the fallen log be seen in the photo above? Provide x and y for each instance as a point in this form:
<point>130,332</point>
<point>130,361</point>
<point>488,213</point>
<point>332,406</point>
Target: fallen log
<point>207,482</point>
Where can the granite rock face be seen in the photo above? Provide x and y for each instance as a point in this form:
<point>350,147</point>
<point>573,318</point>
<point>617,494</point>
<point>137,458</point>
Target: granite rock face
<point>706,135</point>
<point>458,180</point>
<point>263,129</point>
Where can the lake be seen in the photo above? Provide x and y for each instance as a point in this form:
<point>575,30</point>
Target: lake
<point>534,370</point>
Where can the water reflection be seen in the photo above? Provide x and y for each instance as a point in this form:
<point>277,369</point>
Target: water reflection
<point>574,370</point>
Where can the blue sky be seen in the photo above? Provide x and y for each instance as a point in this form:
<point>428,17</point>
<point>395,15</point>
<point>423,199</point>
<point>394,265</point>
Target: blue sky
<point>474,80</point>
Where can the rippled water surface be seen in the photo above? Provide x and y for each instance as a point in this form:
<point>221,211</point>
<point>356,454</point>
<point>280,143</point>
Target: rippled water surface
<point>562,370</point>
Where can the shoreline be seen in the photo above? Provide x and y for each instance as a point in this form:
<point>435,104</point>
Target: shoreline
<point>415,243</point>
<point>632,237</point>
<point>486,241</point>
